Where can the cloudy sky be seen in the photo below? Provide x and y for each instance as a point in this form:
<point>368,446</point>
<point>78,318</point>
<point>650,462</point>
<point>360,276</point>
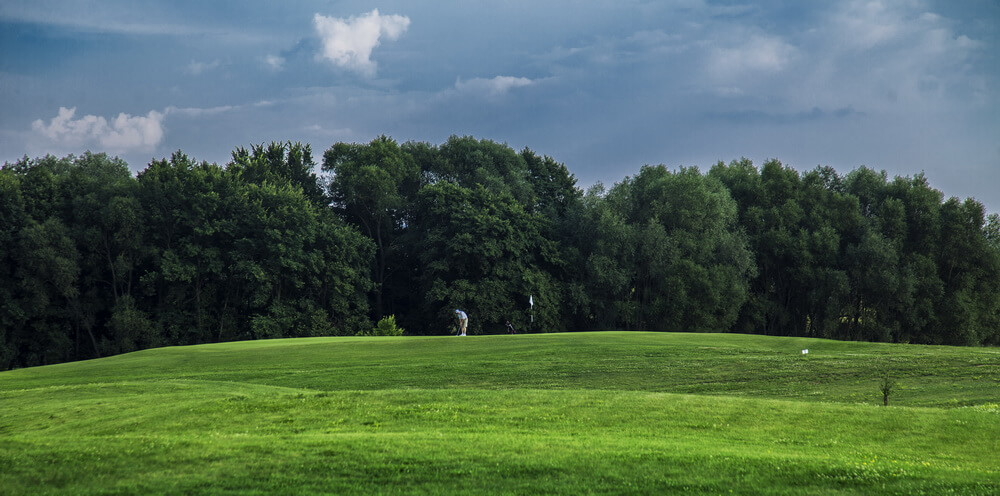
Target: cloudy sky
<point>603,86</point>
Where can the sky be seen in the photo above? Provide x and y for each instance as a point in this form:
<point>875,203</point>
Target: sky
<point>909,86</point>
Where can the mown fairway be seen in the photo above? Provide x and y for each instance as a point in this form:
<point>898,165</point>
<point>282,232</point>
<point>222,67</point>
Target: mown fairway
<point>531,414</point>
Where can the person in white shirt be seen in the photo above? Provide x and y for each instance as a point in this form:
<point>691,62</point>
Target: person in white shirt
<point>463,321</point>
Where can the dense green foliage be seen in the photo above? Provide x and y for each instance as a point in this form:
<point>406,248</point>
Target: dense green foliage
<point>94,261</point>
<point>862,257</point>
<point>563,413</point>
<point>98,262</point>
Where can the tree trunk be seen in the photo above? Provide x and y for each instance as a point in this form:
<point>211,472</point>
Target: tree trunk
<point>379,272</point>
<point>97,351</point>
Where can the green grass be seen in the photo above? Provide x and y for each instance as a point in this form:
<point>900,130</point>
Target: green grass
<point>590,413</point>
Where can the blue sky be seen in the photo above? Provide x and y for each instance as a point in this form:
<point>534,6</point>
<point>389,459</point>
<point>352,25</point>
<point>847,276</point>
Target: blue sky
<point>604,86</point>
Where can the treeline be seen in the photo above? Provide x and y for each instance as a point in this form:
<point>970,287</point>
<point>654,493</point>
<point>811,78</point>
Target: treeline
<point>95,261</point>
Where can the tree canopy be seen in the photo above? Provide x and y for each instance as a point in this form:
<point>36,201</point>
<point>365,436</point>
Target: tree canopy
<point>96,261</point>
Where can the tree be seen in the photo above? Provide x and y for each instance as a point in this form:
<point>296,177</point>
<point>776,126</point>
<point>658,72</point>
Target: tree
<point>106,221</point>
<point>236,259</point>
<point>481,251</point>
<point>468,162</point>
<point>773,214</point>
<point>13,219</point>
<point>78,250</point>
<point>371,187</point>
<point>94,261</point>
<point>830,219</point>
<point>515,206</point>
<point>554,187</point>
<point>303,272</point>
<point>916,239</point>
<point>47,270</point>
<point>686,264</point>
<point>190,208</point>
<point>602,248</point>
<point>970,271</point>
<point>280,163</point>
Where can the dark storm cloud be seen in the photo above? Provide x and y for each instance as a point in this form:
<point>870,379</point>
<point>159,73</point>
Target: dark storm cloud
<point>603,86</point>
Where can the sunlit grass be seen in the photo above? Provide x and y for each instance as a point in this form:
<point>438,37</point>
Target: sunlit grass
<point>595,413</point>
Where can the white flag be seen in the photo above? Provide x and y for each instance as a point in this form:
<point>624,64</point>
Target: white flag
<point>531,300</point>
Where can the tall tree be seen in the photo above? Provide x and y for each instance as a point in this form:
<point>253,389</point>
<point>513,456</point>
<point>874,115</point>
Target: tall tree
<point>189,229</point>
<point>969,268</point>
<point>13,220</point>
<point>280,163</point>
<point>106,219</point>
<point>239,259</point>
<point>687,262</point>
<point>601,250</point>
<point>481,252</point>
<point>372,187</point>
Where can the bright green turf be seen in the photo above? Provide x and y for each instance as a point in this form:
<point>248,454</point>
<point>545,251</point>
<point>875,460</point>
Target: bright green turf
<point>601,413</point>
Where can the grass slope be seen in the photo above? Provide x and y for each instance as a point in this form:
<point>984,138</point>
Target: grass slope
<point>594,413</point>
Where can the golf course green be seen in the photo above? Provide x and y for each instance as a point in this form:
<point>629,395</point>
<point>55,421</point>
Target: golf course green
<point>570,413</point>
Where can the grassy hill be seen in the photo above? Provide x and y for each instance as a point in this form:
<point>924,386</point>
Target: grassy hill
<point>581,413</point>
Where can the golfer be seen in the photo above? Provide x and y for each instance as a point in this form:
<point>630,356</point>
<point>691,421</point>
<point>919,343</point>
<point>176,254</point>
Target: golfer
<point>463,321</point>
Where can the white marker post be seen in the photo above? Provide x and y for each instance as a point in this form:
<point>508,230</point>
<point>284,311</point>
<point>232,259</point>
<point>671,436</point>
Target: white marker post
<point>531,303</point>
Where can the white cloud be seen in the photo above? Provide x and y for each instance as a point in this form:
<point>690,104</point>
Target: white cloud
<point>198,112</point>
<point>875,56</point>
<point>757,55</point>
<point>196,68</point>
<point>342,133</point>
<point>492,87</point>
<point>123,133</point>
<point>274,62</point>
<point>868,23</point>
<point>897,57</point>
<point>871,24</point>
<point>348,43</point>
